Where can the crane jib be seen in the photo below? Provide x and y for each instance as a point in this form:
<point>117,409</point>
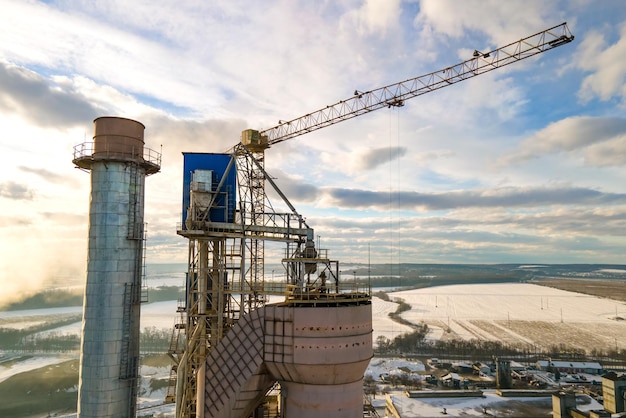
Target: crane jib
<point>395,95</point>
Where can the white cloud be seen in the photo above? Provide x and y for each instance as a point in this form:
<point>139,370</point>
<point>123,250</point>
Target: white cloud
<point>608,153</point>
<point>377,16</point>
<point>15,191</point>
<point>605,61</point>
<point>78,43</point>
<point>497,19</point>
<point>601,141</point>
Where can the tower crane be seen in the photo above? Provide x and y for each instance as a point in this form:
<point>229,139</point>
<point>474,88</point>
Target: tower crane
<point>392,95</point>
<point>215,299</point>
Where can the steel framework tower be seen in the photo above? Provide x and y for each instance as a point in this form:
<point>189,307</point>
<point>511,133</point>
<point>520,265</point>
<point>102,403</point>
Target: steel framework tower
<point>223,281</point>
<point>109,356</point>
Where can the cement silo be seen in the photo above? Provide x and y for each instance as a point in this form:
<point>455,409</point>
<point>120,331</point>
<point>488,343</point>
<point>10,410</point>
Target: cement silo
<point>109,355</point>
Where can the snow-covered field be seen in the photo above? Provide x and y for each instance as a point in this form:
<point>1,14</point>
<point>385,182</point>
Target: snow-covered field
<point>513,313</point>
<point>382,324</point>
<point>509,312</point>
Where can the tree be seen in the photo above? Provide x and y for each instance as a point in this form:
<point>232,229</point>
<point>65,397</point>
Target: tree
<point>382,344</point>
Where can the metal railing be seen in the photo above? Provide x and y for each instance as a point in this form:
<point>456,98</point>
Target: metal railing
<point>87,150</point>
<point>305,293</point>
<point>344,292</point>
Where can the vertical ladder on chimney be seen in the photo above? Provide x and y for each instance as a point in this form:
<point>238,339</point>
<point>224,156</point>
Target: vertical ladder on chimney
<point>135,223</point>
<point>143,278</point>
<point>128,359</point>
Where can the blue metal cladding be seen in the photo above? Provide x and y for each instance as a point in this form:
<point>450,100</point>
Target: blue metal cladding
<point>218,163</point>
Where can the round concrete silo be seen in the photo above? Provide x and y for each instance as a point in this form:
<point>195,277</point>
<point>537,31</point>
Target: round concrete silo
<point>319,356</point>
<point>118,163</point>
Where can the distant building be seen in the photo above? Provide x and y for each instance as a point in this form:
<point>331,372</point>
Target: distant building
<point>462,367</point>
<point>503,374</point>
<point>562,404</point>
<point>517,367</point>
<point>570,366</point>
<point>451,380</point>
<point>482,369</point>
<point>614,392</point>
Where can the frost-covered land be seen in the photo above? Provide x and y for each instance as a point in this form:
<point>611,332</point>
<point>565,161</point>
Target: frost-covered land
<point>508,312</point>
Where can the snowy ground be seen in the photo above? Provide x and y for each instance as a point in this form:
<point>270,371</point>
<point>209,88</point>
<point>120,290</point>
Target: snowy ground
<point>490,404</point>
<point>514,313</point>
<point>382,324</point>
<point>510,312</point>
<point>10,368</point>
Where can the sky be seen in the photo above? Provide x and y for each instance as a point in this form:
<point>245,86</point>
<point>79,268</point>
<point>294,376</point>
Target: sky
<point>520,165</point>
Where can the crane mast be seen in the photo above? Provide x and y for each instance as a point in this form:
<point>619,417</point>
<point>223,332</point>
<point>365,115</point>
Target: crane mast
<point>215,248</point>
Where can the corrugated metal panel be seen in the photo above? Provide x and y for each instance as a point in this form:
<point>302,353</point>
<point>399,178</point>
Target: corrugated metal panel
<point>201,163</point>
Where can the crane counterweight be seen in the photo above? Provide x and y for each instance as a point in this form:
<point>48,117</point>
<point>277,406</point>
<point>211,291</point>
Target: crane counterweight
<point>254,140</point>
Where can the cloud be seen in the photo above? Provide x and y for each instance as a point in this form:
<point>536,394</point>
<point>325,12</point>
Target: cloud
<point>375,157</point>
<point>34,98</point>
<point>377,16</point>
<point>601,141</point>
<point>65,39</point>
<point>557,220</point>
<point>44,174</point>
<point>606,64</point>
<point>557,234</point>
<point>494,198</point>
<point>294,188</point>
<point>65,218</point>
<point>209,135</point>
<point>15,191</point>
<point>196,76</point>
<point>11,221</point>
<point>499,20</point>
<point>60,237</point>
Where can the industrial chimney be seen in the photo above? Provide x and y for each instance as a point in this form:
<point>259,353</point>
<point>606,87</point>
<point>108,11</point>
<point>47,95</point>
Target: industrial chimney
<point>109,355</point>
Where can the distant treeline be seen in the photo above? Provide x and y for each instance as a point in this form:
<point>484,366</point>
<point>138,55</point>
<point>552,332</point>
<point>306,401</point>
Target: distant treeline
<point>427,275</point>
<point>53,298</point>
<point>59,298</point>
<point>27,340</point>
<point>467,278</point>
<point>416,344</point>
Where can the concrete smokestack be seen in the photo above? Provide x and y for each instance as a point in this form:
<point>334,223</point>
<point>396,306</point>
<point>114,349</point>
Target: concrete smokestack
<point>109,357</point>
